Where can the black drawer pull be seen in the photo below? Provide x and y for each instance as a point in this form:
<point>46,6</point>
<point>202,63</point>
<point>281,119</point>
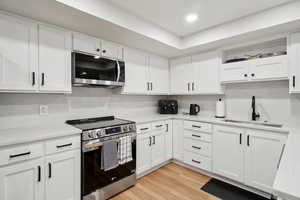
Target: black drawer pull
<point>50,170</point>
<point>19,155</point>
<point>294,81</point>
<point>33,78</point>
<point>158,126</point>
<point>198,136</point>
<point>196,161</point>
<point>144,129</point>
<point>65,145</point>
<point>196,147</point>
<point>194,126</point>
<point>39,174</point>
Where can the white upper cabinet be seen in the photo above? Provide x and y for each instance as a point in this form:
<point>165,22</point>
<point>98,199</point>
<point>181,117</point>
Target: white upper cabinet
<point>136,72</point>
<point>86,44</point>
<point>207,73</point>
<point>18,55</point>
<point>158,75</point>
<point>294,56</point>
<point>234,72</point>
<point>54,59</point>
<point>111,50</point>
<point>182,76</point>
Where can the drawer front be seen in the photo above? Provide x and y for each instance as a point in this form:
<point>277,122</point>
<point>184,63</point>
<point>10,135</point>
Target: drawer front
<point>62,144</point>
<point>143,128</point>
<point>197,136</point>
<point>198,161</point>
<point>198,147</point>
<point>21,153</point>
<point>159,126</point>
<point>198,126</point>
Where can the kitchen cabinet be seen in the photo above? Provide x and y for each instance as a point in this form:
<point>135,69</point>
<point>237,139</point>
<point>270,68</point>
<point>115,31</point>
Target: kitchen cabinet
<point>143,153</point>
<point>86,44</point>
<point>24,180</point>
<point>54,46</point>
<point>63,176</point>
<point>262,69</point>
<point>111,50</point>
<point>169,140</point>
<point>228,152</point>
<point>178,140</point>
<point>158,148</point>
<point>18,55</point>
<point>294,52</point>
<point>145,74</point>
<point>262,157</point>
<point>248,156</point>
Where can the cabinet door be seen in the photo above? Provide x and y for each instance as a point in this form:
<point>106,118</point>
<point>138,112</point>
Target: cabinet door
<point>158,148</point>
<point>86,44</point>
<point>294,58</point>
<point>136,72</point>
<point>263,151</point>
<point>228,152</point>
<point>235,72</point>
<point>269,68</point>
<point>169,140</point>
<point>143,161</point>
<point>22,181</point>
<point>54,59</point>
<point>18,55</point>
<point>111,50</point>
<point>207,73</point>
<point>159,75</point>
<point>182,76</point>
<point>178,140</point>
<point>63,176</point>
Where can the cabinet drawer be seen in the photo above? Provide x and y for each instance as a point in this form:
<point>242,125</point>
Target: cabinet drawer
<point>197,135</point>
<point>143,128</point>
<point>159,126</point>
<point>198,126</point>
<point>21,153</point>
<point>197,160</point>
<point>62,144</point>
<point>196,146</point>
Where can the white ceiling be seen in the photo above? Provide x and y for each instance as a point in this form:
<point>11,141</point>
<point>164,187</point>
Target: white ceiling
<point>170,14</point>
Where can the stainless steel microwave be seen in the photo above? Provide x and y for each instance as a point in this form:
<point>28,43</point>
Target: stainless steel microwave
<point>91,70</point>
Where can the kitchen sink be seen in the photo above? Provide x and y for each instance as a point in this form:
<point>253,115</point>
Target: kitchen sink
<point>254,123</point>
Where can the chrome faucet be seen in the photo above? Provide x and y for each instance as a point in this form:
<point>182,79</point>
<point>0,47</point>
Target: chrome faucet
<point>254,114</point>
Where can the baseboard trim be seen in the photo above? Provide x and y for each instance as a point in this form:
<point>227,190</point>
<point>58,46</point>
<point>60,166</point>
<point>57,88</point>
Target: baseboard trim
<point>153,169</point>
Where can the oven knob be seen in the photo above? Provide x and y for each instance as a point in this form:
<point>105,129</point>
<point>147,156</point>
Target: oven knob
<point>99,133</point>
<point>92,134</point>
<point>125,128</point>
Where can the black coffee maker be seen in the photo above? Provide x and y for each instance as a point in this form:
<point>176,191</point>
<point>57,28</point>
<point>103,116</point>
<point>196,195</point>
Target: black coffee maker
<point>194,109</point>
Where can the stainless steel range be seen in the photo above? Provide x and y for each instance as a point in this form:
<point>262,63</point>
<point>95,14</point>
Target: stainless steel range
<point>108,156</point>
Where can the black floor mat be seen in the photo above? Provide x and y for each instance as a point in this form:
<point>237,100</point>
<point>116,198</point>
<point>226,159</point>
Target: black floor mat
<point>229,192</point>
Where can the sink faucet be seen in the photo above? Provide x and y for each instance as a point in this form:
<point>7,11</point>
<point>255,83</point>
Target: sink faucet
<point>254,114</point>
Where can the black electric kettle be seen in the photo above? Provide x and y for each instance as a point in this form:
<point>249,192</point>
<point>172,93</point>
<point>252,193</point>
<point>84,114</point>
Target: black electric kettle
<point>194,109</point>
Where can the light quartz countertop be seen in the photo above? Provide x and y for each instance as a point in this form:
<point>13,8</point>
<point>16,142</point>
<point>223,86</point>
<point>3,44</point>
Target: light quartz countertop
<point>28,134</point>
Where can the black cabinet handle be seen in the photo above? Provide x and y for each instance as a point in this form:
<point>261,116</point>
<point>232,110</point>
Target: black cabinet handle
<point>198,136</point>
<point>33,78</point>
<point>148,86</point>
<point>196,161</point>
<point>39,173</point>
<point>98,50</point>
<point>150,139</point>
<point>196,147</point>
<point>50,170</point>
<point>167,129</point>
<point>188,86</point>
<point>158,126</point>
<point>144,129</point>
<point>240,138</point>
<point>153,139</point>
<point>193,86</point>
<point>248,140</point>
<point>245,75</point>
<point>65,145</point>
<point>252,75</point>
<point>19,155</point>
<point>294,81</point>
<point>151,84</point>
<point>43,79</point>
<point>194,126</point>
<point>104,51</point>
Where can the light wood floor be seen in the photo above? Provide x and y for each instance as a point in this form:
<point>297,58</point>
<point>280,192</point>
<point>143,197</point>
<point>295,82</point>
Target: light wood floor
<point>171,182</point>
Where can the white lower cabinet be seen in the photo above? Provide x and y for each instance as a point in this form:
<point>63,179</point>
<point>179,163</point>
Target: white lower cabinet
<point>22,181</point>
<point>248,156</point>
<point>169,140</point>
<point>178,139</point>
<point>63,176</point>
<point>157,148</point>
<point>143,161</point>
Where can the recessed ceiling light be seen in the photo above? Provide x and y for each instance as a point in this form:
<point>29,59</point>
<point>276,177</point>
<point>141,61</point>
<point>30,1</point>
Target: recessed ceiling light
<point>191,18</point>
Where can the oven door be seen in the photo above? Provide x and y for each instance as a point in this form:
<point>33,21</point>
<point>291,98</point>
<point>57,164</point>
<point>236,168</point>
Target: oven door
<point>93,70</point>
<point>94,178</point>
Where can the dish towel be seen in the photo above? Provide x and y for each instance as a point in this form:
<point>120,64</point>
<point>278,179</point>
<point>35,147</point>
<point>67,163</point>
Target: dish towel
<point>109,155</point>
<point>125,150</point>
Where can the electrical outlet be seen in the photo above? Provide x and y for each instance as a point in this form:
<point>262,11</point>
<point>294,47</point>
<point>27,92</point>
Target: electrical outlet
<point>44,110</point>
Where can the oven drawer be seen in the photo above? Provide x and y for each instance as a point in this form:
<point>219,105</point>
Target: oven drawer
<point>159,126</point>
<point>62,144</point>
<point>198,126</point>
<point>198,161</point>
<point>197,136</point>
<point>196,146</point>
<point>143,128</point>
<point>21,153</point>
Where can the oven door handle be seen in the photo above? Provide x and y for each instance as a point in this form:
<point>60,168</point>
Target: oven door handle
<point>119,71</point>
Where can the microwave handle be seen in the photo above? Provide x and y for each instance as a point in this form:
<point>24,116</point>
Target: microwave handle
<point>119,71</point>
